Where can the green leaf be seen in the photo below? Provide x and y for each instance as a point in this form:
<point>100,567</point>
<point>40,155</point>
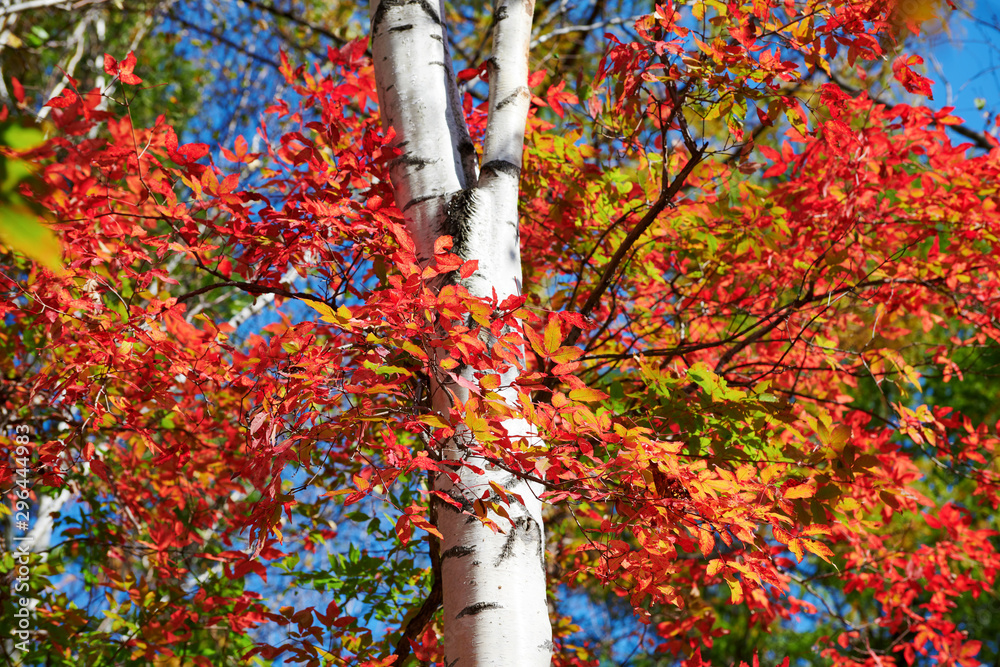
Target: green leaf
<point>22,138</point>
<point>20,230</point>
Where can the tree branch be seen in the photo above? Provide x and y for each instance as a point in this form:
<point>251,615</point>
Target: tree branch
<point>252,288</point>
<point>666,195</point>
<point>418,622</point>
<point>285,14</point>
<point>566,30</point>
<point>35,4</point>
<point>227,42</point>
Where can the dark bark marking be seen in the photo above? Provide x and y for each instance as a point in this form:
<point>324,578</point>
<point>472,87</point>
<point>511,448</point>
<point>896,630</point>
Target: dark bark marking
<point>437,62</point>
<point>386,5</point>
<point>536,533</point>
<point>410,161</point>
<point>458,552</point>
<point>438,38</point>
<point>546,645</point>
<point>493,64</point>
<point>508,545</point>
<point>522,90</point>
<point>502,167</point>
<point>510,481</point>
<point>478,608</point>
<point>402,28</point>
<point>418,200</point>
<point>500,14</point>
<point>450,664</point>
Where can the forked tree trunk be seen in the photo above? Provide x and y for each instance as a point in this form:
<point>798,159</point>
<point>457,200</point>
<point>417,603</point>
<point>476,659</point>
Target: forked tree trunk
<point>495,610</point>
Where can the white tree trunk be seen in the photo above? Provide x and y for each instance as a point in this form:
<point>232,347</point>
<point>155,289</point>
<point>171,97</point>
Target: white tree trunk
<point>495,610</point>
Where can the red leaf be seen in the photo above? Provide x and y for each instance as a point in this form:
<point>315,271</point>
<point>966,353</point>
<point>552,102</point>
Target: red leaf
<point>241,147</point>
<point>557,97</point>
<point>110,65</point>
<point>594,106</point>
<point>127,66</point>
<point>913,82</point>
<point>192,152</point>
<point>257,422</point>
<point>101,470</point>
<point>62,102</point>
<point>468,268</point>
<point>18,90</point>
<point>442,244</point>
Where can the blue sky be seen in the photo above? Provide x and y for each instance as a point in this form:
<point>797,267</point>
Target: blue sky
<point>965,65</point>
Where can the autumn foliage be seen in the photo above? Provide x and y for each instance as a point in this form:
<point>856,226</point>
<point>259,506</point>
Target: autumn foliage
<point>738,282</point>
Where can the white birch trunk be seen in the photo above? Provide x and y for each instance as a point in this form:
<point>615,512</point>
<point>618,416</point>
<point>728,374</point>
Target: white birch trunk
<point>495,610</point>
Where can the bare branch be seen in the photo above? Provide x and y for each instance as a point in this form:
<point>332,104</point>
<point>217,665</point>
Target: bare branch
<point>34,4</point>
<point>582,28</point>
<point>294,18</point>
<point>252,288</point>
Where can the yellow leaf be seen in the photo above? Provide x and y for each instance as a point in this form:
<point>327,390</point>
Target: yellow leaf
<point>848,505</point>
<point>323,653</point>
<point>587,394</point>
<point>769,473</point>
<point>415,350</point>
<point>736,590</point>
<point>566,354</point>
<point>321,308</point>
<point>819,549</point>
<point>795,546</point>
<point>837,437</point>
<point>433,420</point>
<point>553,336</point>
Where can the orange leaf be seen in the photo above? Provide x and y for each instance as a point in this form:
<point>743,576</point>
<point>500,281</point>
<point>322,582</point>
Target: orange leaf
<point>800,491</point>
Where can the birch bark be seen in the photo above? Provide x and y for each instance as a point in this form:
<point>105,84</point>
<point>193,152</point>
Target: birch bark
<point>494,596</point>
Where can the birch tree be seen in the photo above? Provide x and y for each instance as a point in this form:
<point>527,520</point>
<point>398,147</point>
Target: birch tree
<point>494,605</point>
